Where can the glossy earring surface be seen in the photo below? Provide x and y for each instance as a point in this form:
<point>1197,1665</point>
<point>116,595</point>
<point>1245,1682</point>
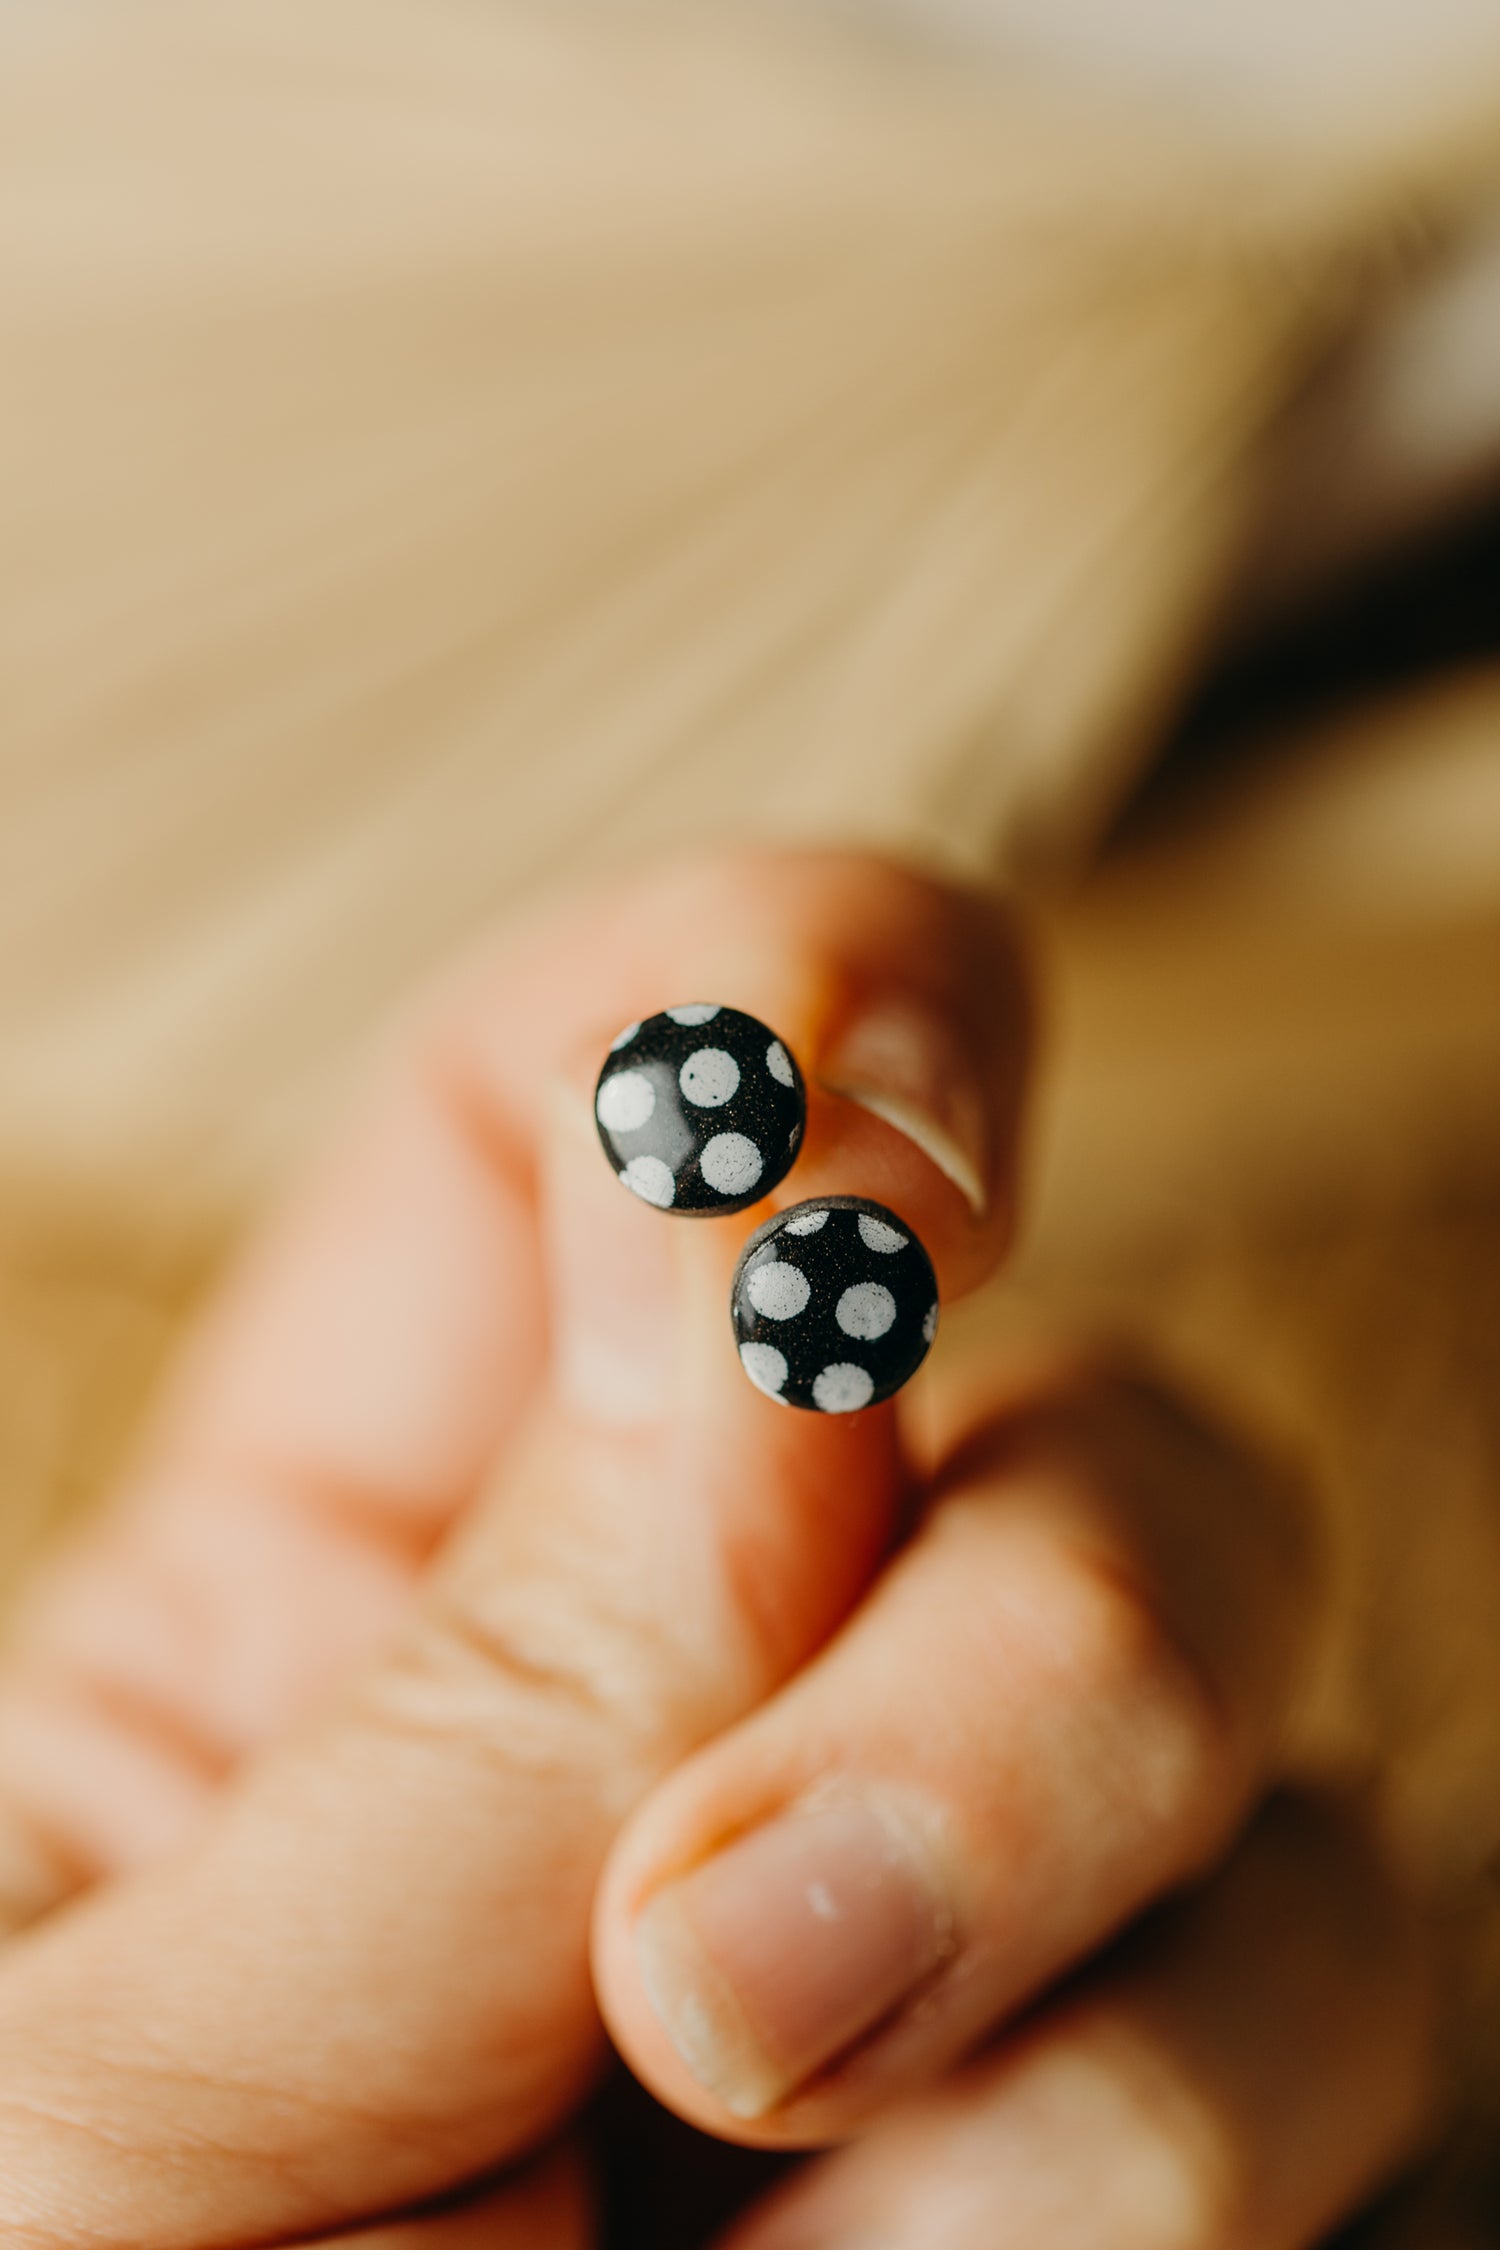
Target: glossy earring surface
<point>834,1304</point>
<point>701,1109</point>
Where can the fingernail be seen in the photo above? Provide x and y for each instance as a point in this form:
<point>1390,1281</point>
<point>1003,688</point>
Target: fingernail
<point>612,1279</point>
<point>908,1068</point>
<point>783,1950</point>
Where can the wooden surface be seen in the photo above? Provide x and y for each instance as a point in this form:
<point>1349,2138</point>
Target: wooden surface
<point>448,449</point>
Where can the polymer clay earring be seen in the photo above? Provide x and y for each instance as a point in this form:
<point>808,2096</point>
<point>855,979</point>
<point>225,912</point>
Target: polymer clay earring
<point>701,1109</point>
<point>834,1304</point>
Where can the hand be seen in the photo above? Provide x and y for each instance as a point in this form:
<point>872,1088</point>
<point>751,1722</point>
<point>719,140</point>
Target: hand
<point>467,1596</point>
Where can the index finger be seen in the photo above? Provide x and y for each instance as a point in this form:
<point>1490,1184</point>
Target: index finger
<point>364,1368</point>
<point>378,1944</point>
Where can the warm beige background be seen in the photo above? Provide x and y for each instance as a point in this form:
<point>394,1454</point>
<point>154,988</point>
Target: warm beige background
<point>446,448</point>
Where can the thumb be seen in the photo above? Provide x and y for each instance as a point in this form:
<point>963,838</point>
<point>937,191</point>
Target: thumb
<point>368,1979</point>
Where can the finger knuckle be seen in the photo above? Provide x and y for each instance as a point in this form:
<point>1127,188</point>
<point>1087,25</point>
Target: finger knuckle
<point>495,1686</point>
<point>1166,1732</point>
<point>1179,2179</point>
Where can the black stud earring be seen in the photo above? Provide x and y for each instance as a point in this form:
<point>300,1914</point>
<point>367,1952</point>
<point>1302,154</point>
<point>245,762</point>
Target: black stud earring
<point>700,1109</point>
<point>834,1304</point>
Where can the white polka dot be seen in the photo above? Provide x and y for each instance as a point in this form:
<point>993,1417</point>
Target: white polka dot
<point>625,1101</point>
<point>765,1366</point>
<point>806,1222</point>
<point>648,1177</point>
<point>867,1311</point>
<point>929,1323</point>
<point>778,1290</point>
<point>625,1037</point>
<point>699,1012</point>
<point>843,1389</point>
<point>709,1078</point>
<point>779,1064</point>
<point>731,1164</point>
<point>876,1235</point>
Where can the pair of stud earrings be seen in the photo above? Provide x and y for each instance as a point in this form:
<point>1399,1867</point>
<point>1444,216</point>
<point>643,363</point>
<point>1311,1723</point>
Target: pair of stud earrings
<point>834,1303</point>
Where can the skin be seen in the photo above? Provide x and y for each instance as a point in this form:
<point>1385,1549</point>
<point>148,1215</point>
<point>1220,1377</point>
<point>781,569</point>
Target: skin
<point>464,1595</point>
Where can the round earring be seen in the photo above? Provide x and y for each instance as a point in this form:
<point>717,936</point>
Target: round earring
<point>834,1304</point>
<point>701,1109</point>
